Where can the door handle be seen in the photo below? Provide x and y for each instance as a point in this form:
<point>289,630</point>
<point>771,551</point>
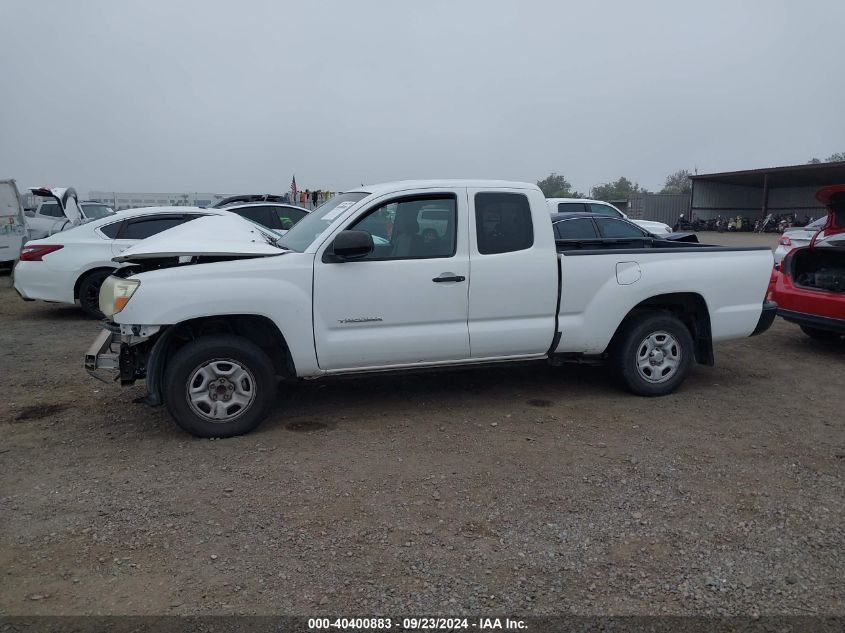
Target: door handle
<point>448,277</point>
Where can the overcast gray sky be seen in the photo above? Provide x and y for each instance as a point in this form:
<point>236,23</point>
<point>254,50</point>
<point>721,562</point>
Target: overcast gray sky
<point>158,95</point>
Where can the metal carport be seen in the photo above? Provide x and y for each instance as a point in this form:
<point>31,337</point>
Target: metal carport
<point>754,193</point>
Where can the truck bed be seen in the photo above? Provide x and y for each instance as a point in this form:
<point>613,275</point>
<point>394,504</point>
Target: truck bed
<point>600,286</point>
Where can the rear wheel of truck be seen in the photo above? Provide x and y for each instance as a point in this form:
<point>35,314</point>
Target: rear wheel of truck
<point>219,386</point>
<point>654,354</point>
<point>819,335</point>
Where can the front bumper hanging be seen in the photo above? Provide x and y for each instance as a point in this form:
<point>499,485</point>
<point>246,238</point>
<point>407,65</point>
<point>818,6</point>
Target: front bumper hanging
<point>100,355</point>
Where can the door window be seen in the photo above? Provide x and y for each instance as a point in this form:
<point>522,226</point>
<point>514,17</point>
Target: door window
<point>609,227</point>
<point>288,216</point>
<point>111,230</point>
<point>604,209</point>
<point>143,228</point>
<point>51,210</point>
<point>412,228</point>
<point>503,223</point>
<point>259,215</point>
<point>575,229</point>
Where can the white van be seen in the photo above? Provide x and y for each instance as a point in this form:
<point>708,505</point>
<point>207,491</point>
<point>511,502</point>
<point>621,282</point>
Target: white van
<point>12,225</point>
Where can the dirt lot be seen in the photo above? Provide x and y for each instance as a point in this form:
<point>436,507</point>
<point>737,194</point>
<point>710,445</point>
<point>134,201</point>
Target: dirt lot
<point>525,489</point>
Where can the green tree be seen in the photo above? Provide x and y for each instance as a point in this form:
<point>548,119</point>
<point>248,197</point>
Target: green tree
<point>620,189</point>
<point>813,161</point>
<point>677,182</point>
<point>557,186</point>
<point>835,157</point>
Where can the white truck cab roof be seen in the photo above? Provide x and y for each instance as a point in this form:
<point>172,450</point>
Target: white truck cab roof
<point>399,185</point>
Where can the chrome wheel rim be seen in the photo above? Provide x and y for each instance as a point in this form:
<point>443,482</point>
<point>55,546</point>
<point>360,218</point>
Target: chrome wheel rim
<point>658,357</point>
<point>221,390</point>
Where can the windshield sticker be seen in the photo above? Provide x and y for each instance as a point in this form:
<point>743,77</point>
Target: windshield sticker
<point>343,206</point>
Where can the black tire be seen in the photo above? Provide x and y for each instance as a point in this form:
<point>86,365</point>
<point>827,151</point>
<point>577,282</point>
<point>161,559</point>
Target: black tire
<point>210,350</point>
<point>627,354</point>
<point>819,335</point>
<point>89,293</point>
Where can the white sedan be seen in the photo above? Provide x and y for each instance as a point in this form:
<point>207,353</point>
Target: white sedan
<point>70,266</point>
<point>582,205</point>
<point>797,236</point>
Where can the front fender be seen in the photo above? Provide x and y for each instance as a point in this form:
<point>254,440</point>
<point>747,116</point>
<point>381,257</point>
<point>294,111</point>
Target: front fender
<point>278,288</point>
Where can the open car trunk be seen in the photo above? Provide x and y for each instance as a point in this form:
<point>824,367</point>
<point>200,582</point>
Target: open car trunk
<point>820,268</point>
<point>67,199</point>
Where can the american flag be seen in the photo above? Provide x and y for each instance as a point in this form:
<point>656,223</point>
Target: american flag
<point>293,185</point>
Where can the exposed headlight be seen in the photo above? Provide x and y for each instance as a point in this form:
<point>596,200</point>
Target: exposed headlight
<point>115,293</point>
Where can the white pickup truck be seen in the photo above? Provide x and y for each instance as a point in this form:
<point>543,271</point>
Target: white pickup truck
<point>408,275</point>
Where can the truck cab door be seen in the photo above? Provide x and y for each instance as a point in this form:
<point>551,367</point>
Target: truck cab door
<point>405,303</point>
<point>514,289</point>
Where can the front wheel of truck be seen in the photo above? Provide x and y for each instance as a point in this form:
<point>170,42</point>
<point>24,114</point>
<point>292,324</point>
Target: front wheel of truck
<point>654,354</point>
<point>219,386</point>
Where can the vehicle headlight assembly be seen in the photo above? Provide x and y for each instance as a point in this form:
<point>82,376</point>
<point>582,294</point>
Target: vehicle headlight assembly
<point>115,293</point>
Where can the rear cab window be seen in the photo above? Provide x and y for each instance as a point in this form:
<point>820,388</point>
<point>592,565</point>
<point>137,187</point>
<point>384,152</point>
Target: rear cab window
<point>503,222</point>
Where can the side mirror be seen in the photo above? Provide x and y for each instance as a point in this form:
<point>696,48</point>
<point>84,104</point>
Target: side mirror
<point>351,245</point>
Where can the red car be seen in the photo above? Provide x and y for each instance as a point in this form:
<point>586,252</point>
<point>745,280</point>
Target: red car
<point>809,284</point>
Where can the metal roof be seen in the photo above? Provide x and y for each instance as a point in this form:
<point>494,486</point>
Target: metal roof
<point>808,175</point>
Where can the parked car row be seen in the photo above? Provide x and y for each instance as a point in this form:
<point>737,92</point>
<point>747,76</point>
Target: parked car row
<point>597,207</point>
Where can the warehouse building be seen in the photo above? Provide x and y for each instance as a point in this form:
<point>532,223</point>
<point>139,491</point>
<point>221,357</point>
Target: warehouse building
<point>121,200</point>
<point>755,193</point>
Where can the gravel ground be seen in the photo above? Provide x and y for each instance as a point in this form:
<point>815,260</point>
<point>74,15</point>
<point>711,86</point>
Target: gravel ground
<point>525,489</point>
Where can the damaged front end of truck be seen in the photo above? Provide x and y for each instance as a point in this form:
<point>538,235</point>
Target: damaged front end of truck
<point>137,351</point>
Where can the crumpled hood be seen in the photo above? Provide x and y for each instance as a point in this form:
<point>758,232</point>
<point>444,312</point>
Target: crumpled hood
<point>210,236</point>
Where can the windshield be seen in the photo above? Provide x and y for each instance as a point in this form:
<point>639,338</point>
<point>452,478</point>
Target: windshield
<point>309,228</point>
<point>96,211</point>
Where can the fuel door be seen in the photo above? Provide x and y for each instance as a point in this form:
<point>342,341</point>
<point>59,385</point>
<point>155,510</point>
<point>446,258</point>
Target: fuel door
<point>628,273</point>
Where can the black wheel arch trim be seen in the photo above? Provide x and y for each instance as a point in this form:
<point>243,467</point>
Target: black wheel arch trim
<point>691,308</point>
<point>767,317</point>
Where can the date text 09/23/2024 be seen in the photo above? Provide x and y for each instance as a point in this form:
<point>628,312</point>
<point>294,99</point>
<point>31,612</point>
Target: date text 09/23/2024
<point>420,623</point>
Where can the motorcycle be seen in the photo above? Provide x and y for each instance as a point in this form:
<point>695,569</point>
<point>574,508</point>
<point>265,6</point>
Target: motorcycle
<point>683,224</point>
<point>786,221</point>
